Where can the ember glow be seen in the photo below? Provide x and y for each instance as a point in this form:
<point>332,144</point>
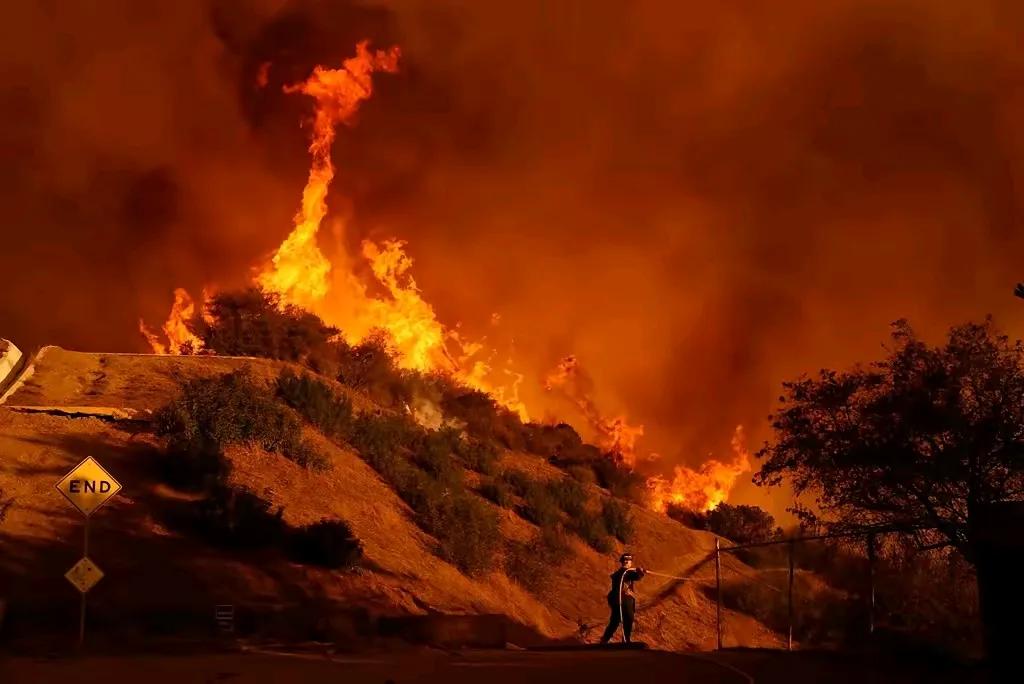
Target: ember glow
<point>701,489</point>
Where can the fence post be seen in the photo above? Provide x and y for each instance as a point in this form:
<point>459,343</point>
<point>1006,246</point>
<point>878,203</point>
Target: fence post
<point>871,584</point>
<point>792,547</point>
<point>718,590</point>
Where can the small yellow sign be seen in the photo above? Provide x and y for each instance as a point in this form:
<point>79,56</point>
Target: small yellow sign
<point>88,486</point>
<point>84,575</point>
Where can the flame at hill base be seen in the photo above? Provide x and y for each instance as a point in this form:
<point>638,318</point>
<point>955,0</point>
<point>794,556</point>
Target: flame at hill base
<point>301,275</point>
<point>701,489</point>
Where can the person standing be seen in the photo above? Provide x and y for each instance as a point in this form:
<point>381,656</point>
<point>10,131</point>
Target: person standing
<point>622,598</point>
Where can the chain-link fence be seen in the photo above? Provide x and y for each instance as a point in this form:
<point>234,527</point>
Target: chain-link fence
<point>837,590</point>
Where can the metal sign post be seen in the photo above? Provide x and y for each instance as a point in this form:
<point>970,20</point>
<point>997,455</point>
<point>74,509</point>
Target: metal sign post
<point>88,486</point>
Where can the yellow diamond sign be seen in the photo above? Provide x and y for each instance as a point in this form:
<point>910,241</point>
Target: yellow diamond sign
<point>88,486</point>
<point>84,575</point>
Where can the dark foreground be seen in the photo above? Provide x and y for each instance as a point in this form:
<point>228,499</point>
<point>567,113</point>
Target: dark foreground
<point>492,667</point>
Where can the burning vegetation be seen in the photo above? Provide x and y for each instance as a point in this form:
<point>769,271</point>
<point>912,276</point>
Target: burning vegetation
<point>398,322</point>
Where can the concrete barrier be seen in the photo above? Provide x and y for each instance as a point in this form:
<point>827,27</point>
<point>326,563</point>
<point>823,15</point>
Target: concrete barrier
<point>11,363</point>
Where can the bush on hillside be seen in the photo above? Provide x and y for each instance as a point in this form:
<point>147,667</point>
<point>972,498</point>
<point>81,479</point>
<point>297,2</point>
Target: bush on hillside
<point>214,413</point>
<point>499,492</point>
<point>568,494</point>
<point>582,474</point>
<point>467,531</point>
<point>539,506</point>
<point>327,543</point>
<point>482,416</point>
<point>518,481</point>
<point>533,563</point>
<point>590,528</point>
<point>741,524</point>
<point>255,323</point>
<point>478,455</point>
<point>329,411</point>
<point>617,520</point>
<point>551,441</point>
<point>619,480</point>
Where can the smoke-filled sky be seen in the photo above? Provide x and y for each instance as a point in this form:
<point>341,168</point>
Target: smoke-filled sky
<point>697,199</point>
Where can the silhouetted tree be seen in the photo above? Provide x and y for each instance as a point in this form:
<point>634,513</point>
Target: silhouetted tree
<point>921,439</point>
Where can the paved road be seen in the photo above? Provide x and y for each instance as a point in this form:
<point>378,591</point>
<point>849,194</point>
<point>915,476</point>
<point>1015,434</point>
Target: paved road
<point>498,667</point>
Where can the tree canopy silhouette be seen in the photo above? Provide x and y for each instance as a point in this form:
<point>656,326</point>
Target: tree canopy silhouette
<point>919,440</point>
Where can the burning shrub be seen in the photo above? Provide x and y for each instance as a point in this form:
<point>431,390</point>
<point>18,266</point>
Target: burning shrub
<point>254,323</point>
<point>617,519</point>
<point>531,563</point>
<point>327,543</point>
<point>330,412</point>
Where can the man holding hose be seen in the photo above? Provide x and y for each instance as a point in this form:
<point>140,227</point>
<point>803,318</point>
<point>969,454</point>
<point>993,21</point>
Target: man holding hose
<point>622,598</point>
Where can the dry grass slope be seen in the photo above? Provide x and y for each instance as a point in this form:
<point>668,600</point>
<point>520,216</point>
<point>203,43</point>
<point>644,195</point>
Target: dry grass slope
<point>153,568</point>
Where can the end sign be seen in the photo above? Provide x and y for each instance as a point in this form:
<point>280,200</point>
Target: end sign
<point>88,486</point>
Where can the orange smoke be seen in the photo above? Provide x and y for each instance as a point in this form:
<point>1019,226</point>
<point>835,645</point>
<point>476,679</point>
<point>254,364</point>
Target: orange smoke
<point>704,488</point>
<point>176,331</point>
<point>614,434</point>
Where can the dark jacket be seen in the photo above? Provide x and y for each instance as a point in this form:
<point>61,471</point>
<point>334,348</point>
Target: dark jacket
<point>626,578</point>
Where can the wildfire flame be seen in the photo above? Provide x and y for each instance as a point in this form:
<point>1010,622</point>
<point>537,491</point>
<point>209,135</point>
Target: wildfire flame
<point>175,329</point>
<point>302,275</point>
<point>614,434</point>
<point>704,488</point>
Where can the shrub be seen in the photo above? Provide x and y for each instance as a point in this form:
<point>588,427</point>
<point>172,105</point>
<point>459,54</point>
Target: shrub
<point>255,323</point>
<point>551,441</point>
<point>434,454</point>
<point>478,455</point>
<point>329,411</point>
<point>214,413</point>
<point>741,523</point>
<point>590,528</point>
<point>499,492</point>
<point>518,481</point>
<point>568,494</point>
<point>327,543</point>
<point>617,519</point>
<point>540,507</point>
<point>466,529</point>
<point>582,474</point>
<point>532,563</point>
<point>483,417</point>
<point>619,480</point>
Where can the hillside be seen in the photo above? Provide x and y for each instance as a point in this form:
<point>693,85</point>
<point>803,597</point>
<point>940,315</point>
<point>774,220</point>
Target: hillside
<point>160,579</point>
